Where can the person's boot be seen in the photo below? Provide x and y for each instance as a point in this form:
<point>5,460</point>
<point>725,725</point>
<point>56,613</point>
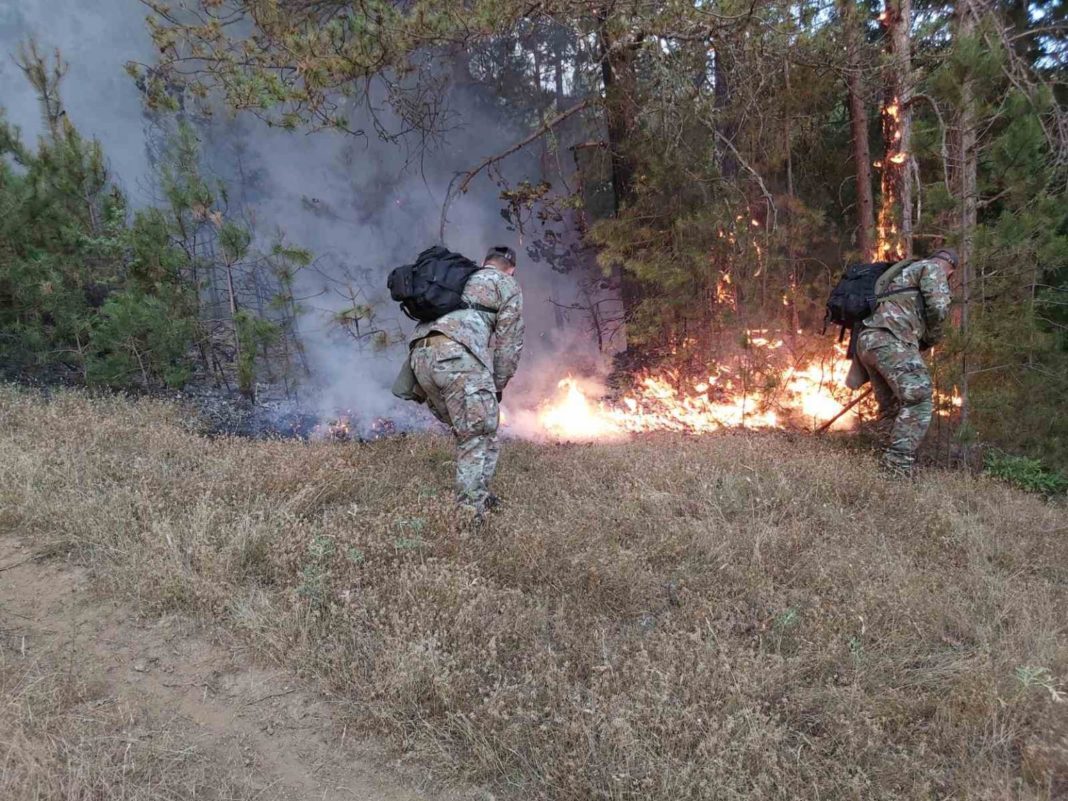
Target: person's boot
<point>894,465</point>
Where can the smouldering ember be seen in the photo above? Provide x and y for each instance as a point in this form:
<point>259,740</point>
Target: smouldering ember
<point>345,427</point>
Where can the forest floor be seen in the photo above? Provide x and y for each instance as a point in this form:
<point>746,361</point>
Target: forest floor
<point>733,616</point>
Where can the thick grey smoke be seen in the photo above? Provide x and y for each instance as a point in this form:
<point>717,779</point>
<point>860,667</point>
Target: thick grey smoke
<point>357,203</point>
<point>97,39</point>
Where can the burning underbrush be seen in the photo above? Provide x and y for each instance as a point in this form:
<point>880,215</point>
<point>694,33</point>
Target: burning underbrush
<point>763,384</point>
<point>768,380</point>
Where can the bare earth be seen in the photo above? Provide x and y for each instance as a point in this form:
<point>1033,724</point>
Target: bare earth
<point>256,732</point>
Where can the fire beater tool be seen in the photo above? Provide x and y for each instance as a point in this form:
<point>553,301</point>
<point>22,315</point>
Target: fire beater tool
<point>845,409</point>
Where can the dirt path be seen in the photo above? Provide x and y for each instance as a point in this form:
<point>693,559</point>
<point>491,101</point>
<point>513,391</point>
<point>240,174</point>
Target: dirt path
<point>262,732</point>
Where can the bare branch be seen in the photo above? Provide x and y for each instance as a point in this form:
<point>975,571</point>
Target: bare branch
<point>760,181</point>
<point>942,128</point>
<point>465,178</point>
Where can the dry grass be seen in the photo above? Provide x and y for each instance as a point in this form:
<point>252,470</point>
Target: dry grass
<point>739,616</point>
<point>62,737</point>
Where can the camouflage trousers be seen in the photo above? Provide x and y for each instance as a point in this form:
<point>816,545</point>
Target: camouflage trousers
<point>902,386</point>
<point>461,393</point>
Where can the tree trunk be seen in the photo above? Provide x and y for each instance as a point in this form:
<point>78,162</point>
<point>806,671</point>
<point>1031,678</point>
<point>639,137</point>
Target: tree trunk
<point>858,117</point>
<point>247,391</point>
<point>895,215</point>
<point>728,163</point>
<point>556,284</point>
<point>621,110</point>
<point>967,169</point>
<point>791,240</point>
<point>558,79</point>
<point>620,79</point>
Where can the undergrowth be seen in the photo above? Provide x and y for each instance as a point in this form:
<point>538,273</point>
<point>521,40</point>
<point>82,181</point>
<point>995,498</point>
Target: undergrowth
<point>1030,475</point>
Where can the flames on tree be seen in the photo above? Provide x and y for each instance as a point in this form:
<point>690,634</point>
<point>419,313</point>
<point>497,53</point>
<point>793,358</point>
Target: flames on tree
<point>891,243</point>
<point>894,222</point>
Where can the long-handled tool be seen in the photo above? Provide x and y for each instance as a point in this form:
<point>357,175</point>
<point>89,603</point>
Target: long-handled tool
<point>845,409</point>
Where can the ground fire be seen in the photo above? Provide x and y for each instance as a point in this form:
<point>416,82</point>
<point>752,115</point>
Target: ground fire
<point>784,393</point>
<point>799,394</point>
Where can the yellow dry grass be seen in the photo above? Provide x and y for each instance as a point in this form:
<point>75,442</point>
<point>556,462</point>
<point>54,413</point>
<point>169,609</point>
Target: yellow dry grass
<point>731,617</point>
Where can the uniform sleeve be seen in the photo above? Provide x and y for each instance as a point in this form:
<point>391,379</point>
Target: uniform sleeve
<point>934,286</point>
<point>508,332</point>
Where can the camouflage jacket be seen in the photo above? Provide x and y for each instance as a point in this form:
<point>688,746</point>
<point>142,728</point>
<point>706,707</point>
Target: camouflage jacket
<point>915,318</point>
<point>496,340</point>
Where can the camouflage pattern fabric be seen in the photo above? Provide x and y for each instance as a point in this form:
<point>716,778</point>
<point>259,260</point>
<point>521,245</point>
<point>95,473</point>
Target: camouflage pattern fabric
<point>915,318</point>
<point>902,387</point>
<point>496,340</point>
<point>462,371</point>
<point>460,391</point>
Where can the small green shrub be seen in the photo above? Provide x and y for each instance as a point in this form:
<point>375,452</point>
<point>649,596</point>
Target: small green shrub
<point>1026,474</point>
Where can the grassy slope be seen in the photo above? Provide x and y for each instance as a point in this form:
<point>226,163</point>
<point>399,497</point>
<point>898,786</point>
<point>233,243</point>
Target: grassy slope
<point>738,616</point>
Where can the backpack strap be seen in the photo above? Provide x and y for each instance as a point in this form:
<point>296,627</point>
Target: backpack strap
<point>884,295</point>
<point>888,276</point>
<point>479,307</point>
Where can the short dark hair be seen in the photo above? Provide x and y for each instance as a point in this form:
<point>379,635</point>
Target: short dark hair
<point>501,253</point>
<point>947,254</point>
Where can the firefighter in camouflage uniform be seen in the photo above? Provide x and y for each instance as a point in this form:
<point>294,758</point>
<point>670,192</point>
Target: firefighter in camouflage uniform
<point>908,320</point>
<point>462,362</point>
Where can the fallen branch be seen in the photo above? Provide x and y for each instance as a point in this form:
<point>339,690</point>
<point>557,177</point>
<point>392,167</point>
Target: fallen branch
<point>845,409</point>
<point>13,565</point>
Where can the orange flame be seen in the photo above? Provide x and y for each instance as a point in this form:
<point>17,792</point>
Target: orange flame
<point>804,395</point>
<point>724,290</point>
<point>889,246</point>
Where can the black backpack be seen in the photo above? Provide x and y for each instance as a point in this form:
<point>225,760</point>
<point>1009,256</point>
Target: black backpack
<point>859,291</point>
<point>433,286</point>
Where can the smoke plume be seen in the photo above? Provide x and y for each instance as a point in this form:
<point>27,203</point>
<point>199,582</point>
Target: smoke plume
<point>360,204</point>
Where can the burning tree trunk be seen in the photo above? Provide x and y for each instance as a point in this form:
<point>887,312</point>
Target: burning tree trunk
<point>895,213</point>
<point>967,189</point>
<point>858,117</point>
